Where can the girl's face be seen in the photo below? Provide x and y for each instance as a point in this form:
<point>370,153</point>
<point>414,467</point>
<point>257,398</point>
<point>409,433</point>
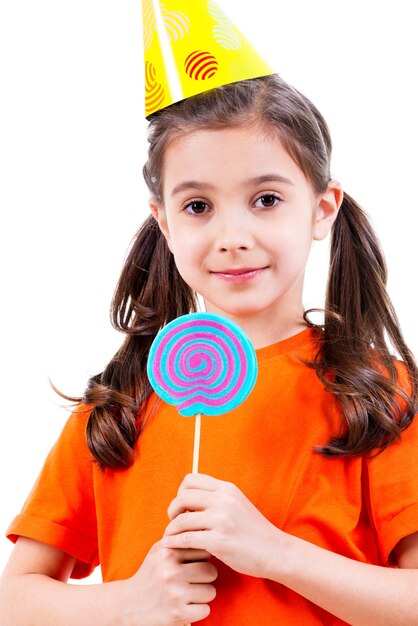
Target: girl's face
<point>239,217</point>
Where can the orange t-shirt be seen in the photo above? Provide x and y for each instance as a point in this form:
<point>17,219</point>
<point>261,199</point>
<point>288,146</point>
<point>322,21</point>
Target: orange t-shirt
<point>357,507</point>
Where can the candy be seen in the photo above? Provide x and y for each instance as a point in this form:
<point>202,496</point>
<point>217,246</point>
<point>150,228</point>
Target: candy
<point>202,363</point>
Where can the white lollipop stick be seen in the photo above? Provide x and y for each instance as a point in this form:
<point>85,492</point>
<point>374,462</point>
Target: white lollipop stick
<point>196,448</point>
<point>196,442</point>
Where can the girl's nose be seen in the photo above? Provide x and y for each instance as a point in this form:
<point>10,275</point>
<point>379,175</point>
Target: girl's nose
<point>233,232</point>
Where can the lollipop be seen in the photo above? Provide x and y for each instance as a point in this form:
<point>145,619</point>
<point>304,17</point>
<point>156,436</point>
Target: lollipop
<point>204,364</point>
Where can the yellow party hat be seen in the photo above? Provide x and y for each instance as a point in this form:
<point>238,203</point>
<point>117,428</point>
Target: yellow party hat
<point>191,46</point>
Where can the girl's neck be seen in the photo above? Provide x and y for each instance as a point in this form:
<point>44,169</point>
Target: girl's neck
<point>263,330</point>
<point>262,337</point>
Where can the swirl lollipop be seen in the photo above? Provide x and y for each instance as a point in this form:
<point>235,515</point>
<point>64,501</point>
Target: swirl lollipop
<point>204,364</point>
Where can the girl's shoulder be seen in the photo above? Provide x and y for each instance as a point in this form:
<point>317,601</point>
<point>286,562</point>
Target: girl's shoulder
<point>73,433</point>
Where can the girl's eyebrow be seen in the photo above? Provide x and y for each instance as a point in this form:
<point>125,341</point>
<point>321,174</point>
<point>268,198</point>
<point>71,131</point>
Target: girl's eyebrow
<point>257,180</point>
<point>269,178</point>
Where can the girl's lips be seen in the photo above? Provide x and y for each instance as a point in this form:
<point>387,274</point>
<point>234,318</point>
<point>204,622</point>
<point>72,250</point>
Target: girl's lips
<point>240,276</point>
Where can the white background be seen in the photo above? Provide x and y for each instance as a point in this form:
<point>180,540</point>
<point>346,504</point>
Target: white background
<point>71,151</point>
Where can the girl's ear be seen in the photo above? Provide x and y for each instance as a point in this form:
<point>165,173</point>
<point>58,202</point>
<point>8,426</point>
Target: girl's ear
<point>327,209</point>
<point>159,214</point>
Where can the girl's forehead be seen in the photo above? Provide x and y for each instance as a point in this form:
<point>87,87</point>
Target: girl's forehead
<point>233,151</point>
<point>232,136</point>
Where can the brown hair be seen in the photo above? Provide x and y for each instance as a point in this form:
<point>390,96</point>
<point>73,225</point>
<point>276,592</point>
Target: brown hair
<point>352,360</point>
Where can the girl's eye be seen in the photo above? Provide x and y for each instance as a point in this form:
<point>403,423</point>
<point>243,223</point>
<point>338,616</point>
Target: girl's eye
<point>269,200</point>
<point>197,207</point>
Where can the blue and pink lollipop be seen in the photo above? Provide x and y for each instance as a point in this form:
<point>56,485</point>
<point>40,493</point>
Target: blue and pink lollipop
<point>204,364</point>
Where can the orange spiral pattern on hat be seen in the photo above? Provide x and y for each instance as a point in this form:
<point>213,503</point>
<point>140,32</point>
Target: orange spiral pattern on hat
<point>154,92</point>
<point>177,24</point>
<point>201,65</point>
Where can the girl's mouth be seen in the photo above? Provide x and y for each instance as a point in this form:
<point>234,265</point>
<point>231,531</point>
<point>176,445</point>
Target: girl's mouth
<point>240,275</point>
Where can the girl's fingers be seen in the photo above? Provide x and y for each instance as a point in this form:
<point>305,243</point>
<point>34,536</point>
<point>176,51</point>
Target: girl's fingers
<point>196,613</point>
<point>184,555</point>
<point>187,521</point>
<point>201,593</point>
<point>192,556</point>
<point>198,540</point>
<point>199,481</point>
<point>190,500</point>
<point>195,573</point>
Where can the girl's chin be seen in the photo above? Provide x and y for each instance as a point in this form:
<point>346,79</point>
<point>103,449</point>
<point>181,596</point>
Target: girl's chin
<point>228,309</point>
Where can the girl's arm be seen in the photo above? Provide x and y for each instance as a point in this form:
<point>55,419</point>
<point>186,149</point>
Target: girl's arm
<point>216,516</point>
<point>171,588</point>
<point>357,593</point>
<point>33,590</point>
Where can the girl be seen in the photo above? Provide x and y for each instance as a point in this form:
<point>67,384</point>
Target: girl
<point>307,510</point>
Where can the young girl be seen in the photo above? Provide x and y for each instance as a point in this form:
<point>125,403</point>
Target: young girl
<point>306,510</point>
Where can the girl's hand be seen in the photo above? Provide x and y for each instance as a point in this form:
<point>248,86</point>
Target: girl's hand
<point>171,588</point>
<point>216,516</point>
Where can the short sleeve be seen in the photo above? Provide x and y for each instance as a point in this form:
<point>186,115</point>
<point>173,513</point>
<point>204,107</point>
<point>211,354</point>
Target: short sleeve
<point>393,490</point>
<point>60,509</point>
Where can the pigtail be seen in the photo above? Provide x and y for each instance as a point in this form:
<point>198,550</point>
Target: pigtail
<point>358,313</point>
<point>149,294</point>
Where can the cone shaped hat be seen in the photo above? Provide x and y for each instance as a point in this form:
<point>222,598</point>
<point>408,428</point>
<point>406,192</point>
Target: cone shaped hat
<point>191,46</point>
